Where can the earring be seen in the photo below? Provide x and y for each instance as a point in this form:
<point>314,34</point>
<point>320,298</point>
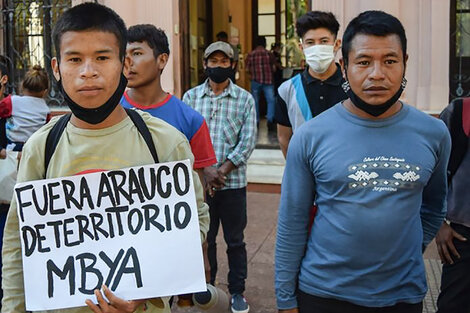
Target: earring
<point>403,83</point>
<point>346,86</point>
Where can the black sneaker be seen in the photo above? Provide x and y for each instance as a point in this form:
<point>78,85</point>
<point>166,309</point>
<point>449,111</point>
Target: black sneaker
<point>238,304</point>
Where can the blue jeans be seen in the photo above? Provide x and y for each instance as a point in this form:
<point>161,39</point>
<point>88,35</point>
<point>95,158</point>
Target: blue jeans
<point>268,91</point>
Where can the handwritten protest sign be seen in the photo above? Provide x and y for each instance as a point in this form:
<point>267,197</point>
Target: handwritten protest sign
<point>135,230</point>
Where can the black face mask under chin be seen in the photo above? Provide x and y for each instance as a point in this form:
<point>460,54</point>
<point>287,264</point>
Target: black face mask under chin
<point>374,110</point>
<point>99,114</point>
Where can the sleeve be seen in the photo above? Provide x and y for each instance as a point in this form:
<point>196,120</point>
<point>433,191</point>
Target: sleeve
<point>6,107</point>
<point>246,136</point>
<point>3,133</point>
<point>201,146</point>
<point>248,62</point>
<point>297,195</point>
<point>188,98</point>
<point>434,204</point>
<point>182,151</point>
<point>31,168</point>
<point>280,112</point>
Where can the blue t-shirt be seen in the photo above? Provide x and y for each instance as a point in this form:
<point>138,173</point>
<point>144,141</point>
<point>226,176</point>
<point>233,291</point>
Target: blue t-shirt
<point>187,120</point>
<point>380,185</point>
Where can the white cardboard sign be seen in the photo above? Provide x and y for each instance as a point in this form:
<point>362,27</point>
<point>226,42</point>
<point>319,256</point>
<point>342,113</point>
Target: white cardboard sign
<point>135,230</point>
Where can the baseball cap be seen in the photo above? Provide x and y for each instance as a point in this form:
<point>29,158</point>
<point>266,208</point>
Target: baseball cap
<point>219,46</point>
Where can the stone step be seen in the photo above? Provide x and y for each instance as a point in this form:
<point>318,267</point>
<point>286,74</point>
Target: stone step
<point>265,166</point>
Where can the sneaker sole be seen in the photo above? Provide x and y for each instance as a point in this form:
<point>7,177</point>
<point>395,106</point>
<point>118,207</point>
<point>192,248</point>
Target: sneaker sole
<point>244,311</point>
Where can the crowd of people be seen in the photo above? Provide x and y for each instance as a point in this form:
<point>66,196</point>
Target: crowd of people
<point>369,180</point>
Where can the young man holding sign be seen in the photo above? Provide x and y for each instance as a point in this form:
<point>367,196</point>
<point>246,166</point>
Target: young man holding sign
<point>91,41</point>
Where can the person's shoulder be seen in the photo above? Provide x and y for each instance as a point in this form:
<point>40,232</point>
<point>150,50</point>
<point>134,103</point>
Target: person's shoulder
<point>186,110</point>
<point>193,92</point>
<point>325,122</point>
<point>160,128</point>
<point>38,138</point>
<point>433,124</point>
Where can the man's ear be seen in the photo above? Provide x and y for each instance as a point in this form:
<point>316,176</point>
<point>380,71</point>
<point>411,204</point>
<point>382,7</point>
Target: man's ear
<point>55,68</point>
<point>162,61</point>
<point>4,80</point>
<point>337,45</point>
<point>301,47</point>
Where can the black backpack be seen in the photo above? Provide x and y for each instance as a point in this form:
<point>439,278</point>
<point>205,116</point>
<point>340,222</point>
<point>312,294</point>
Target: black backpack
<point>56,132</point>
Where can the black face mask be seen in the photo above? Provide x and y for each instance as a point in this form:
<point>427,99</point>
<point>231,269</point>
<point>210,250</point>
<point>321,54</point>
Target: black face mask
<point>374,110</point>
<point>219,74</point>
<point>99,114</point>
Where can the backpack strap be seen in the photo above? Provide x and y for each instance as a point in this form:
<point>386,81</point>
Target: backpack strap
<point>144,132</point>
<point>53,139</point>
<point>56,132</point>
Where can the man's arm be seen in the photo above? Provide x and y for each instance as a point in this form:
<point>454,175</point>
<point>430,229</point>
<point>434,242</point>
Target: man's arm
<point>284,127</point>
<point>284,133</point>
<point>31,168</point>
<point>446,235</point>
<point>246,137</point>
<point>434,205</point>
<point>297,195</point>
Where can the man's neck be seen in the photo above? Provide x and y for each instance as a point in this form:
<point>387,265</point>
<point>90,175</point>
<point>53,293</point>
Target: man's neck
<point>216,88</point>
<point>394,109</point>
<point>327,74</point>
<point>114,118</point>
<point>149,94</point>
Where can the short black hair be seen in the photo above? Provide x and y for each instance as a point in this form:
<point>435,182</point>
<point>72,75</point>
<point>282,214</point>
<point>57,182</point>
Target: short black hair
<point>261,41</point>
<point>376,23</point>
<point>222,35</point>
<point>153,36</point>
<point>91,16</point>
<point>3,69</point>
<point>315,20</point>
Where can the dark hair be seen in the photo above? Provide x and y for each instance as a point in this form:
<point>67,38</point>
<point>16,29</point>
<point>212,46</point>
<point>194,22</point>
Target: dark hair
<point>153,36</point>
<point>376,23</point>
<point>261,41</point>
<point>317,19</point>
<point>36,79</point>
<point>91,16</point>
<point>221,35</point>
<point>3,69</point>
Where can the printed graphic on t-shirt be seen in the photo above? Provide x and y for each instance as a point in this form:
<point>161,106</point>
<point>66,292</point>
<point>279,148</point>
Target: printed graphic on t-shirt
<point>383,174</point>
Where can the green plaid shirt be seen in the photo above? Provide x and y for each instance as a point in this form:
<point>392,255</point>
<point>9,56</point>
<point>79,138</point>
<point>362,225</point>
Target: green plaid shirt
<point>231,118</point>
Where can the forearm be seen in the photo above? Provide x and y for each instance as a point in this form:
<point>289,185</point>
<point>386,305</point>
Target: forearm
<point>12,269</point>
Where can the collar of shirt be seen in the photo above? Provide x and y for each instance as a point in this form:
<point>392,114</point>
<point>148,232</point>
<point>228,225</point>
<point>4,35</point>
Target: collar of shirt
<point>335,79</point>
<point>230,90</point>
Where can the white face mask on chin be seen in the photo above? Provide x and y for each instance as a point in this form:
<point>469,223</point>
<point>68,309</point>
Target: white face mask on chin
<point>319,57</point>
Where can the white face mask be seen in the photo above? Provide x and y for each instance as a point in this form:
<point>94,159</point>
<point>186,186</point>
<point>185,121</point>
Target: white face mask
<point>319,57</point>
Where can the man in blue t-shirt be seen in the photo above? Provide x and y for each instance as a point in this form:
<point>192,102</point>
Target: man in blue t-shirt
<point>146,56</point>
<point>376,168</point>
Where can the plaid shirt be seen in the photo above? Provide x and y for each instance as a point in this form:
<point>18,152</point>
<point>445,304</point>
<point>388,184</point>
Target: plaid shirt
<point>231,118</point>
<point>260,63</point>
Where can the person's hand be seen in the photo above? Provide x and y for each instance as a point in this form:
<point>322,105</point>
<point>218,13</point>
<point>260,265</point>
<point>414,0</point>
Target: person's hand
<point>213,179</point>
<point>445,245</point>
<point>3,154</point>
<point>115,304</point>
<point>294,310</point>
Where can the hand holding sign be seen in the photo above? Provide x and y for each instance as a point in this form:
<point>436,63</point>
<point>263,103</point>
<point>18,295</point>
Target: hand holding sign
<point>115,304</point>
<point>135,230</point>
